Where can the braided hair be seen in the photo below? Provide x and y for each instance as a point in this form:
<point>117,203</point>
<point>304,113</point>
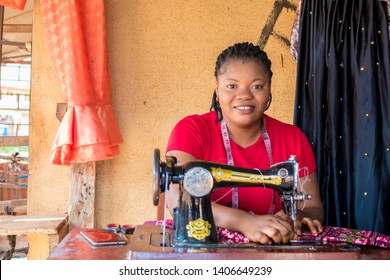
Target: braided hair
<point>240,51</point>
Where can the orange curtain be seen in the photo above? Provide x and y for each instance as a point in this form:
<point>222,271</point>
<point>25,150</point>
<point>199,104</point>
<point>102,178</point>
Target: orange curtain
<point>14,4</point>
<point>76,34</point>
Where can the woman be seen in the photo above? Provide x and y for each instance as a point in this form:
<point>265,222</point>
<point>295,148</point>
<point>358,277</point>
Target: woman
<point>237,132</point>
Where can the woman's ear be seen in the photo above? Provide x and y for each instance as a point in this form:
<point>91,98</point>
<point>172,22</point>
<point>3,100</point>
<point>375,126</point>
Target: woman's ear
<point>269,102</point>
<point>216,88</point>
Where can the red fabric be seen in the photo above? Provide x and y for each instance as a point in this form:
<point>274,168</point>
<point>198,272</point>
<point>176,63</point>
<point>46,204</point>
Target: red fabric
<point>76,34</point>
<point>346,235</point>
<point>329,234</point>
<point>13,4</point>
<point>200,136</point>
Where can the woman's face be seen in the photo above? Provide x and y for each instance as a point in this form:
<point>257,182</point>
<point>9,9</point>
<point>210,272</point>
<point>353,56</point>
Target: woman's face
<point>243,89</point>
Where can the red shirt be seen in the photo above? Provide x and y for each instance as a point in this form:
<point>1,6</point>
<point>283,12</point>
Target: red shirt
<point>200,136</point>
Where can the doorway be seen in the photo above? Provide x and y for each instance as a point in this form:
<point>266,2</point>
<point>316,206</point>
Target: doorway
<point>16,38</point>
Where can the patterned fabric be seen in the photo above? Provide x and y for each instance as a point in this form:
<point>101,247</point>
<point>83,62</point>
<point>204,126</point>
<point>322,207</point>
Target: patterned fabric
<point>351,236</point>
<point>234,236</point>
<point>13,4</point>
<point>76,35</point>
<point>168,223</point>
<point>224,233</point>
<point>328,235</point>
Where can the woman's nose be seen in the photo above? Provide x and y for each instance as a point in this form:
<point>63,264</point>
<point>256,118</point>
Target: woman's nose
<point>244,94</point>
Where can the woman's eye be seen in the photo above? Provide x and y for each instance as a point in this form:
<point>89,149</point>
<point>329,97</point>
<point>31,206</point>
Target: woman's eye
<point>231,86</point>
<point>258,86</point>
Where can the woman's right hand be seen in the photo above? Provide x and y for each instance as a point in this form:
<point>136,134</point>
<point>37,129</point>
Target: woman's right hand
<point>266,229</point>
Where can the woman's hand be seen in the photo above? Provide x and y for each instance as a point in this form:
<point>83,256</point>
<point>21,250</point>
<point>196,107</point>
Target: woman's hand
<point>266,229</point>
<point>313,225</point>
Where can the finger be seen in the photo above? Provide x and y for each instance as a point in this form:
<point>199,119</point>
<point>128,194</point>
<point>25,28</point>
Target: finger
<point>318,225</point>
<point>310,224</point>
<point>277,236</point>
<point>284,216</point>
<point>284,227</point>
<point>262,238</point>
<point>297,227</point>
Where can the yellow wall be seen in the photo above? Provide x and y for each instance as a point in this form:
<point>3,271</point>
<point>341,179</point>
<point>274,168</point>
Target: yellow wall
<point>161,56</point>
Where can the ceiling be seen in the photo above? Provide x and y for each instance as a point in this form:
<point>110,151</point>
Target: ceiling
<point>17,34</point>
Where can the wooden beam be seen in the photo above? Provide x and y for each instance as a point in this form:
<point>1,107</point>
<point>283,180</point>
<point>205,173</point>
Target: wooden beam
<point>13,203</point>
<point>82,188</point>
<point>10,141</point>
<point>17,28</point>
<point>14,61</point>
<point>82,195</point>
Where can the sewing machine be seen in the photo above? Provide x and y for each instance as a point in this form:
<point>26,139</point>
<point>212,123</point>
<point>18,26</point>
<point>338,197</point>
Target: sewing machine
<point>195,235</point>
<point>193,219</point>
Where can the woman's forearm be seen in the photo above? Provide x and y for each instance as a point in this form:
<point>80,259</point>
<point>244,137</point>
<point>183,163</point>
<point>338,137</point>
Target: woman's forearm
<point>227,217</point>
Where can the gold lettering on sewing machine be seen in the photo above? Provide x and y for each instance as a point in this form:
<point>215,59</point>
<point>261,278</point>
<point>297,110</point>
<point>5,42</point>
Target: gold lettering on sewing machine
<point>198,229</point>
<point>224,175</point>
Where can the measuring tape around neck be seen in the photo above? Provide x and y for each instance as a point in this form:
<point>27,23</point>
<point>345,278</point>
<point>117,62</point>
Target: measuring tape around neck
<point>230,161</point>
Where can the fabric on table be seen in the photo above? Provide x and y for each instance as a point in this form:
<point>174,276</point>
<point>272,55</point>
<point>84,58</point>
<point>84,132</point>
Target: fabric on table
<point>351,236</point>
<point>234,237</point>
<point>328,235</point>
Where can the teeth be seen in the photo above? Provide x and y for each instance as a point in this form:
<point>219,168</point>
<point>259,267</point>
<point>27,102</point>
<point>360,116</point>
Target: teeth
<point>244,107</point>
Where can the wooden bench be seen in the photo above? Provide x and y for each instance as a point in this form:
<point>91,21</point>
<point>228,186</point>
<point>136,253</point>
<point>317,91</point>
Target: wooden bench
<point>43,232</point>
<point>13,207</point>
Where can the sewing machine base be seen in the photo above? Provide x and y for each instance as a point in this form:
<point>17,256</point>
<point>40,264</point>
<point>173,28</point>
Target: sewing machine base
<point>147,243</point>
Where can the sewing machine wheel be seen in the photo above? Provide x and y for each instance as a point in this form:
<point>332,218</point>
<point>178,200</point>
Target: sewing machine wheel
<point>156,177</point>
<point>198,181</point>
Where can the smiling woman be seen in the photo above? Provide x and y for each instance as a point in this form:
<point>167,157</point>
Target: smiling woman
<point>238,132</point>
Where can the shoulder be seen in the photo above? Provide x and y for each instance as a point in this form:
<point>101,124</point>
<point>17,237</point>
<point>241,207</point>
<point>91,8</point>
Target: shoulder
<point>198,120</point>
<point>205,117</point>
<point>281,128</point>
<point>290,140</point>
<point>274,124</point>
<point>286,134</point>
<point>193,134</point>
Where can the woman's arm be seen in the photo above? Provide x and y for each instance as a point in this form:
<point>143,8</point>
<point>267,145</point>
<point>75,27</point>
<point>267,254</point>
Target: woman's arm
<point>310,212</point>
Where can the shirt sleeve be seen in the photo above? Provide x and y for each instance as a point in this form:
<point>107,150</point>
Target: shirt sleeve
<point>186,136</point>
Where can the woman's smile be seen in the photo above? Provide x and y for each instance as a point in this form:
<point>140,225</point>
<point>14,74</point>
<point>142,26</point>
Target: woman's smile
<point>244,109</point>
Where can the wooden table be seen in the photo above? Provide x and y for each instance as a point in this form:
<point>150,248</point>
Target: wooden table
<point>75,247</point>
<point>43,232</point>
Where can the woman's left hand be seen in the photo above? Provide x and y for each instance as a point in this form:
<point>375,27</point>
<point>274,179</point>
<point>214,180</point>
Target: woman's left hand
<point>314,226</point>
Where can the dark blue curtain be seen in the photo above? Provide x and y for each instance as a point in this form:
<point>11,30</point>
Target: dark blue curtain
<point>342,105</point>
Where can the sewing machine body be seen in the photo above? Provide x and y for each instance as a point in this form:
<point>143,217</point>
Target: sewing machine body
<point>194,224</point>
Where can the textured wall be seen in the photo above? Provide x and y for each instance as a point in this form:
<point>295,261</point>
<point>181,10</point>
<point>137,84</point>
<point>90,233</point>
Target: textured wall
<point>161,56</point>
<point>48,188</point>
